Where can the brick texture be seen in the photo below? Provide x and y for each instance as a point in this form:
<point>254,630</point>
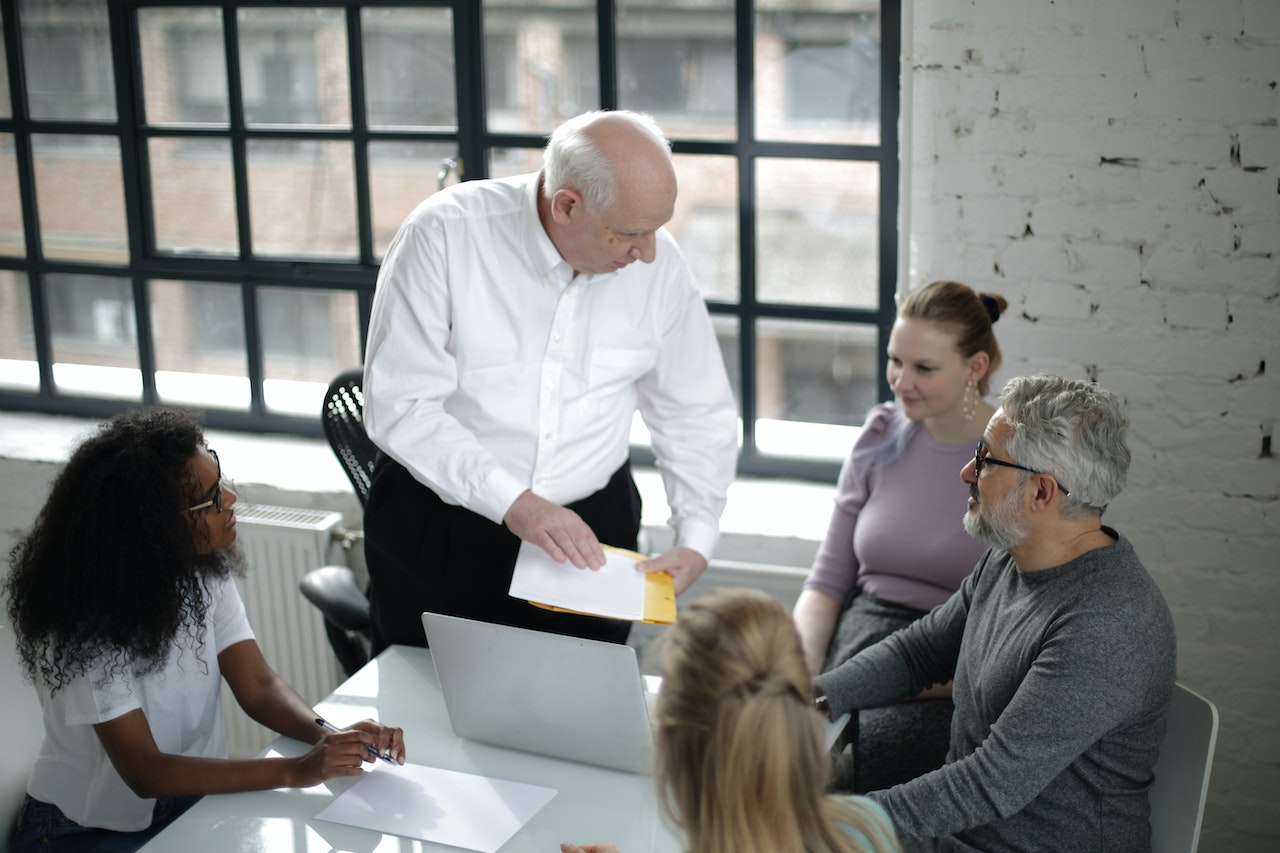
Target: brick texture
<point>1113,169</point>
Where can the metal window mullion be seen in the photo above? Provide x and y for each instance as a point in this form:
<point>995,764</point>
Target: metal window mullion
<point>146,340</point>
<point>359,134</point>
<point>235,107</point>
<point>25,162</point>
<point>253,348</point>
<point>890,101</point>
<point>470,89</point>
<point>364,306</point>
<point>240,170</point>
<point>139,226</point>
<point>607,53</point>
<point>745,66</point>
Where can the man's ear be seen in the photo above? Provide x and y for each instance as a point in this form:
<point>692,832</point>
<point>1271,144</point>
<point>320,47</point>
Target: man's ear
<point>1046,488</point>
<point>563,203</point>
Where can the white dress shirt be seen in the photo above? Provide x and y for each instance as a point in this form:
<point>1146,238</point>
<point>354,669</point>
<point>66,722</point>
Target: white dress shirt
<point>492,369</point>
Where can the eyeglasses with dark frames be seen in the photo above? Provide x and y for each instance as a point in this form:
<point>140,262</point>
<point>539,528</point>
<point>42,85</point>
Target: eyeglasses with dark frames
<point>216,500</point>
<point>981,458</point>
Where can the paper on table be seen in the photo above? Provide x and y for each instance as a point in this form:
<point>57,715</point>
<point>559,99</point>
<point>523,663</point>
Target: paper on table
<point>616,590</point>
<point>441,806</point>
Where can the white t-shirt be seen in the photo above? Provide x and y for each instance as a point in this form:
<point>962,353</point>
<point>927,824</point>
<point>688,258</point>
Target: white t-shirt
<point>181,702</point>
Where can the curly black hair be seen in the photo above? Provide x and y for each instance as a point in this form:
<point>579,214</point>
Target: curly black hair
<point>109,573</point>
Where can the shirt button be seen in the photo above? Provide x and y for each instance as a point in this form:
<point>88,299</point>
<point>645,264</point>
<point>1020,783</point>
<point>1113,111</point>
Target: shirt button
<point>547,436</point>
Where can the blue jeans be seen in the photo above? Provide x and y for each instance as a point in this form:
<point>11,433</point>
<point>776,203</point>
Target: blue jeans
<point>43,828</point>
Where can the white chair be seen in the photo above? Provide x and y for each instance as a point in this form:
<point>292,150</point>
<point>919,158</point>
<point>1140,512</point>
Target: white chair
<point>1182,773</point>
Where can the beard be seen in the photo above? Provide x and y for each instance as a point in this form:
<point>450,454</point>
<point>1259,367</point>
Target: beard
<point>999,525</point>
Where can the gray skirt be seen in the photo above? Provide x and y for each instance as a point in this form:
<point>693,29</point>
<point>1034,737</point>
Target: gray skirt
<point>894,744</point>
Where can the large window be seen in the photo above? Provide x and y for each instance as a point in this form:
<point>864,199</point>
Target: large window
<point>194,197</point>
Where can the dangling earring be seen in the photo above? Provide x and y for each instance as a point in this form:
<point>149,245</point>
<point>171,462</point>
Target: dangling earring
<point>969,405</point>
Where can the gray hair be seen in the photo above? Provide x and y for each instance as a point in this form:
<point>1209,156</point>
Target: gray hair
<point>573,160</point>
<point>1073,430</point>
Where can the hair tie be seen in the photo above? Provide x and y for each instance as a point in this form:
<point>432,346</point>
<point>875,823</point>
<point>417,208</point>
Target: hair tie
<point>993,307</point>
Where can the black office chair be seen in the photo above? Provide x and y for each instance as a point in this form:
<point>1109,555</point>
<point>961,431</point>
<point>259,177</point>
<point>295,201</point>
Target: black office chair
<point>333,589</point>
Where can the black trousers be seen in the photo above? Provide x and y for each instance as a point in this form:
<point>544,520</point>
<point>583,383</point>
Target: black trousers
<point>424,554</point>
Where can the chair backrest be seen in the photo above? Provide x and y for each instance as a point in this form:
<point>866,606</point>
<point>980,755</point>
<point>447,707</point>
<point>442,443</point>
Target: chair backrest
<point>343,420</point>
<point>1182,773</point>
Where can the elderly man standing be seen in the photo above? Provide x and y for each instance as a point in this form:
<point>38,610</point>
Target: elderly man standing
<point>1061,647</point>
<point>513,338</point>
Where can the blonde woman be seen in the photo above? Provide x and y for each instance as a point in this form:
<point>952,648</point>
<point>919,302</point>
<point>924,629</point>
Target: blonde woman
<point>740,762</point>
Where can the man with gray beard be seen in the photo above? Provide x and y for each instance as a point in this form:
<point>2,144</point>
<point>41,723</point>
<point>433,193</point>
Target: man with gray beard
<point>1060,646</point>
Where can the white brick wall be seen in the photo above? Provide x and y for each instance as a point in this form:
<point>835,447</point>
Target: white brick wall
<point>1113,169</point>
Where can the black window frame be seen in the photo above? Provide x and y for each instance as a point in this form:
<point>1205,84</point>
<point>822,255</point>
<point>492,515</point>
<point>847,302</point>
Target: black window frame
<point>473,142</point>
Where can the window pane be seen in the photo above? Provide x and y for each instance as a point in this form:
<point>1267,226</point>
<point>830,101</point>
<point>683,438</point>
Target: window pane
<point>408,67</point>
<point>677,63</point>
<point>282,78</point>
<point>308,336</point>
<point>80,196</point>
<point>66,53</point>
<point>401,175</point>
<point>541,64</point>
<point>18,368</point>
<point>817,75</point>
<point>817,227</point>
<point>507,162</point>
<point>706,222</point>
<point>198,330</point>
<point>94,336</point>
<point>193,195</point>
<point>302,198</point>
<point>12,234</point>
<point>184,66</point>
<point>814,383</point>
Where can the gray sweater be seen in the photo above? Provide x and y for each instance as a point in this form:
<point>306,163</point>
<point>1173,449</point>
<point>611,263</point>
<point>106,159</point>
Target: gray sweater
<point>1062,683</point>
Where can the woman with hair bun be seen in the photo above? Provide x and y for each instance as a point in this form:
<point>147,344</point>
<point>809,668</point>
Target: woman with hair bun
<point>895,546</point>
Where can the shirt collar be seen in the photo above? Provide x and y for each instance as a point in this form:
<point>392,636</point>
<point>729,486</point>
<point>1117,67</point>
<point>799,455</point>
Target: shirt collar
<point>544,254</point>
<point>546,258</point>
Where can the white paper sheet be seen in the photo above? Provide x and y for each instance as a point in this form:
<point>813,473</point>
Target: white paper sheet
<point>616,590</point>
<point>440,806</point>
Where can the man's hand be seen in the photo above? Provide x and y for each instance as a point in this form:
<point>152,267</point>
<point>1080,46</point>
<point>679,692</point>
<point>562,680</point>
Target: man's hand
<point>558,531</point>
<point>684,564</point>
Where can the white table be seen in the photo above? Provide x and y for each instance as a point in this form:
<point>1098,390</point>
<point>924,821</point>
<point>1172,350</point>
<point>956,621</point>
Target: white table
<point>400,688</point>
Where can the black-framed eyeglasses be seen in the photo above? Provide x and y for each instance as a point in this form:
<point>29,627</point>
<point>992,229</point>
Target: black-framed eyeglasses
<point>981,458</point>
<point>216,500</point>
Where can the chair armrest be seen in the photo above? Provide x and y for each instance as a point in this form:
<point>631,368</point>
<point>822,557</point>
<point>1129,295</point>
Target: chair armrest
<point>334,591</point>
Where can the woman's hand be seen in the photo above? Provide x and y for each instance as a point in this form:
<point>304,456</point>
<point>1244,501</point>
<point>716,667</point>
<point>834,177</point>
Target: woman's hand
<point>338,754</point>
<point>389,740</point>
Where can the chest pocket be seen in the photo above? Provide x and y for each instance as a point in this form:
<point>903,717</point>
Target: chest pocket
<point>614,372</point>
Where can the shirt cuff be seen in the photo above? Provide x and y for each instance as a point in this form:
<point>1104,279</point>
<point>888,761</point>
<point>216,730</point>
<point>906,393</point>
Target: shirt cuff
<point>496,496</point>
<point>699,536</point>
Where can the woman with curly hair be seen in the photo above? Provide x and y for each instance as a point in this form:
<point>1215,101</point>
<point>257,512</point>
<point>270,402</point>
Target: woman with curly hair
<point>739,750</point>
<point>127,619</point>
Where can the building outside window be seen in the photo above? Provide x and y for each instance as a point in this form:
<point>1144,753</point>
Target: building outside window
<point>196,196</point>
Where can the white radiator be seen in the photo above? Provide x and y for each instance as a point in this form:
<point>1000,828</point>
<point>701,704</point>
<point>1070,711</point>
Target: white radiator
<point>281,544</point>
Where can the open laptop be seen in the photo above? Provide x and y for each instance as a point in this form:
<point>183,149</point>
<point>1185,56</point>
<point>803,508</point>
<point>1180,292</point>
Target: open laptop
<point>565,697</point>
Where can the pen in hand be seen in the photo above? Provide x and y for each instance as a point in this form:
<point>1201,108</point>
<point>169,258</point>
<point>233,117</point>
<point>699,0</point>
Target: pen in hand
<point>325,724</point>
